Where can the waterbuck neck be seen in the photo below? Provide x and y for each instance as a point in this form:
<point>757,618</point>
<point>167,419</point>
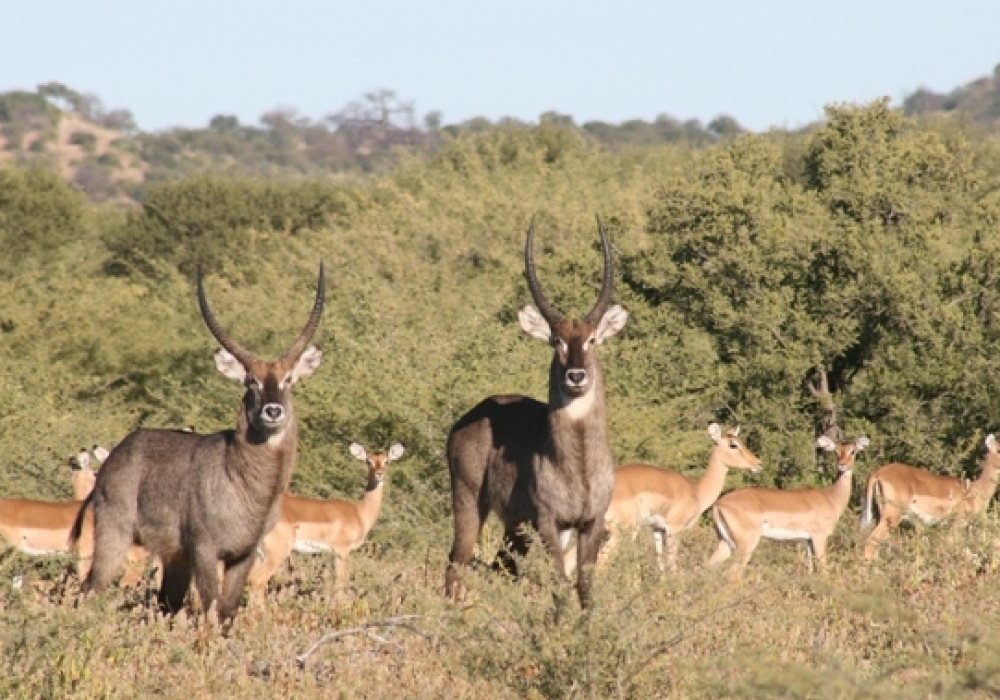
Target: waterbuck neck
<point>261,465</point>
<point>563,407</point>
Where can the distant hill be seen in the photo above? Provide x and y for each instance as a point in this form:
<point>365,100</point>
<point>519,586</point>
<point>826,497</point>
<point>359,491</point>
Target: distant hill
<point>103,153</point>
<point>978,101</point>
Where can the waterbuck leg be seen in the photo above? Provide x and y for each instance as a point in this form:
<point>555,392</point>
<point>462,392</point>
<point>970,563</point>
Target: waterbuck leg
<point>233,582</point>
<point>468,524</point>
<point>206,578</point>
<point>589,537</point>
<point>112,540</point>
<point>175,584</point>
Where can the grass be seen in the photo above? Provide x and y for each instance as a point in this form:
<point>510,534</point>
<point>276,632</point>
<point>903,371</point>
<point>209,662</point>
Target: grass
<point>914,624</point>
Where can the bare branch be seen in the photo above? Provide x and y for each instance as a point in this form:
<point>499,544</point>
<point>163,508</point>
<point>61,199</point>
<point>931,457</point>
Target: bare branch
<point>400,622</point>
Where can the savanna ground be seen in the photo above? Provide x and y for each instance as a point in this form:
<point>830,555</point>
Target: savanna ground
<point>864,250</point>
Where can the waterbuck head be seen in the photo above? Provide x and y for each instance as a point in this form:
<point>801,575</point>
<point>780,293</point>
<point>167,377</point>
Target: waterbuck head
<point>847,452</point>
<point>378,462</point>
<point>575,341</point>
<point>267,402</point>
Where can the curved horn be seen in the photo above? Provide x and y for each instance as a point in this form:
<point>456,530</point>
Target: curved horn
<point>607,283</point>
<point>549,312</point>
<point>300,344</point>
<point>245,357</point>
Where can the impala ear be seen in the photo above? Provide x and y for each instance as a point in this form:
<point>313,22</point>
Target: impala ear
<point>359,452</point>
<point>991,442</point>
<point>307,363</point>
<point>715,432</point>
<point>229,366</point>
<point>534,324</point>
<point>101,453</point>
<point>861,443</point>
<point>611,323</point>
<point>825,443</point>
<point>736,431</point>
<point>80,462</point>
<point>395,452</point>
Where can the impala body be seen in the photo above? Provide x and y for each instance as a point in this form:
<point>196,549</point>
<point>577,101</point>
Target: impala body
<point>310,526</point>
<point>901,491</point>
<point>544,465</point>
<point>40,528</point>
<point>198,501</point>
<point>744,516</point>
<point>669,502</point>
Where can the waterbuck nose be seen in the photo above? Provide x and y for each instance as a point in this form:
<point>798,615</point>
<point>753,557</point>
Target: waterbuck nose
<point>576,377</point>
<point>274,412</point>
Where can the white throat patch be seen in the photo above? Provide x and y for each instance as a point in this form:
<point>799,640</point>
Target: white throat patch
<point>577,408</point>
<point>275,439</point>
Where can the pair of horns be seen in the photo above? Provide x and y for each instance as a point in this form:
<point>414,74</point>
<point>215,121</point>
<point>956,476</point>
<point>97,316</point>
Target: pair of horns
<point>548,311</point>
<point>246,357</point>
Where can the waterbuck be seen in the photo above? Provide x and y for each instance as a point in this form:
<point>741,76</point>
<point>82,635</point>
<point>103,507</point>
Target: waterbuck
<point>196,501</point>
<point>547,465</point>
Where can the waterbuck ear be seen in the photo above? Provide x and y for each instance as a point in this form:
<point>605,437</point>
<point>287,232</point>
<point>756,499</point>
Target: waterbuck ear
<point>991,442</point>
<point>534,324</point>
<point>230,367</point>
<point>715,432</point>
<point>861,443</point>
<point>100,453</point>
<point>395,452</point>
<point>307,363</point>
<point>359,452</point>
<point>826,443</point>
<point>611,322</point>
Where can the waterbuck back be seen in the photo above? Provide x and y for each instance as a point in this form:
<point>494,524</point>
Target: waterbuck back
<point>196,501</point>
<point>543,465</point>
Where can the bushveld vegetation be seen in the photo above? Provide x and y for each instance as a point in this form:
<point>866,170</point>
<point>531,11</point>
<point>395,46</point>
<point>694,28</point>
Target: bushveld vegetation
<point>786,282</point>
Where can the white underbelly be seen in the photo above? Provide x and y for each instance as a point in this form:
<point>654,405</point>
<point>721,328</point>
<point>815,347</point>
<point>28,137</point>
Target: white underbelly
<point>778,533</point>
<point>310,547</point>
<point>925,518</point>
<point>32,552</point>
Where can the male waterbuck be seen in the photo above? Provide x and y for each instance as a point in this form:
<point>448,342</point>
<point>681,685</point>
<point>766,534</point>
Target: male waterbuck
<point>547,465</point>
<point>196,501</point>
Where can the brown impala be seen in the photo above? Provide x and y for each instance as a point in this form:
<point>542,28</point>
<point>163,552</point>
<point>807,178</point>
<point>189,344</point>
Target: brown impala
<point>198,501</point>
<point>901,491</point>
<point>668,502</point>
<point>310,526</point>
<point>744,516</point>
<point>546,465</point>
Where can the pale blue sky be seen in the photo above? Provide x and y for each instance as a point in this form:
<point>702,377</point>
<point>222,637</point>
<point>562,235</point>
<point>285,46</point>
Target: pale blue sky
<point>773,62</point>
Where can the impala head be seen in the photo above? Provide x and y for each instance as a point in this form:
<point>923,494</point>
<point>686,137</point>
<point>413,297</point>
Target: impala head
<point>847,452</point>
<point>575,341</point>
<point>734,453</point>
<point>378,462</point>
<point>83,477</point>
<point>267,402</point>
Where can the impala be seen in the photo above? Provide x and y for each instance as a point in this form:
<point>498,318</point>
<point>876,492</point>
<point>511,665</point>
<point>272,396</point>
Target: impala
<point>669,502</point>
<point>744,516</point>
<point>901,492</point>
<point>310,526</point>
<point>40,528</point>
<point>543,465</point>
<point>198,501</point>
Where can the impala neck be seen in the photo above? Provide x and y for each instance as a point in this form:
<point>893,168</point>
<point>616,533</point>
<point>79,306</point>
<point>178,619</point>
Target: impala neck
<point>983,488</point>
<point>841,490</point>
<point>709,487</point>
<point>370,505</point>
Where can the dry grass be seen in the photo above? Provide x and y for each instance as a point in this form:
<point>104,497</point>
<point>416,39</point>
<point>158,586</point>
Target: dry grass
<point>916,624</point>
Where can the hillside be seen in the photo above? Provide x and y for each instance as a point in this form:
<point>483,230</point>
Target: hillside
<point>977,102</point>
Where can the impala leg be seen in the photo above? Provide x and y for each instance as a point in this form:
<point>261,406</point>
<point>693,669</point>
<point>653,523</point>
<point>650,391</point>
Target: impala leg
<point>175,584</point>
<point>889,517</point>
<point>722,552</point>
<point>341,573</point>
<point>233,582</point>
<point>135,566</point>
<point>819,552</point>
<point>810,555</point>
<point>270,555</point>
<point>745,547</point>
